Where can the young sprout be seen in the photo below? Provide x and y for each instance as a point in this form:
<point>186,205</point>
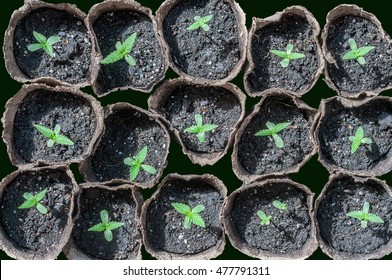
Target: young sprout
<point>265,220</point>
<point>200,129</point>
<point>200,22</point>
<point>280,205</point>
<point>364,216</point>
<point>357,53</point>
<point>287,55</point>
<point>34,201</point>
<point>106,226</point>
<point>136,163</point>
<point>54,136</point>
<point>272,130</point>
<point>359,139</point>
<point>43,43</point>
<point>191,215</point>
<point>123,50</point>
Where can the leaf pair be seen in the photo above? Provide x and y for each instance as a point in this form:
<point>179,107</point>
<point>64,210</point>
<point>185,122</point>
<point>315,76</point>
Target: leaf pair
<point>122,51</point>
<point>364,216</point>
<point>200,22</point>
<point>191,215</point>
<point>357,53</point>
<point>106,226</point>
<point>265,220</point>
<point>273,130</point>
<point>34,201</point>
<point>359,139</point>
<point>136,163</point>
<point>200,129</point>
<point>287,55</point>
<point>43,43</point>
<point>54,136</point>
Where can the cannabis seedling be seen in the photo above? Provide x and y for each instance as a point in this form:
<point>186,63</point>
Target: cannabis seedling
<point>135,164</point>
<point>364,216</point>
<point>272,130</point>
<point>357,53</point>
<point>287,55</point>
<point>106,226</point>
<point>34,201</point>
<point>43,43</point>
<point>359,139</point>
<point>191,215</point>
<point>123,50</point>
<point>280,205</point>
<point>265,220</point>
<point>200,22</point>
<point>54,136</point>
<point>200,129</point>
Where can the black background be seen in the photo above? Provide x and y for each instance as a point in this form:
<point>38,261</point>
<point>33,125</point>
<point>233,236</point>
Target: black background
<point>313,174</point>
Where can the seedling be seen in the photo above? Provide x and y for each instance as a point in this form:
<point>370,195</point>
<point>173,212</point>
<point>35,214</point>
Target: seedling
<point>265,220</point>
<point>280,205</point>
<point>200,22</point>
<point>200,129</point>
<point>364,216</point>
<point>34,201</point>
<point>136,163</point>
<point>287,55</point>
<point>123,51</point>
<point>357,53</point>
<point>43,43</point>
<point>359,139</point>
<point>106,226</point>
<point>273,130</point>
<point>54,136</point>
<point>191,216</point>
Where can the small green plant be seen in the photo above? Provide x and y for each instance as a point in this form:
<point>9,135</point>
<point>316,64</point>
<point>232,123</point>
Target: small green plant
<point>54,136</point>
<point>357,53</point>
<point>123,51</point>
<point>364,216</point>
<point>287,55</point>
<point>136,163</point>
<point>265,220</point>
<point>191,215</point>
<point>43,43</point>
<point>34,201</point>
<point>359,139</point>
<point>200,22</point>
<point>273,130</point>
<point>280,205</point>
<point>106,226</point>
<point>200,129</point>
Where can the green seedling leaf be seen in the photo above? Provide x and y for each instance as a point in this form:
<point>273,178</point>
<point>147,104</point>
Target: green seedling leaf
<point>136,164</point>
<point>200,129</point>
<point>280,205</point>
<point>265,220</point>
<point>200,22</point>
<point>357,53</point>
<point>273,130</point>
<point>364,216</point>
<point>359,139</point>
<point>53,136</point>
<point>191,215</point>
<point>43,43</point>
<point>123,51</point>
<point>106,226</point>
<point>287,55</point>
<point>34,201</point>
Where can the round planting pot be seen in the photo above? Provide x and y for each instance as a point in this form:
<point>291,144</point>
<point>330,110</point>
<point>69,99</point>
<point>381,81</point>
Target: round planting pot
<point>28,233</point>
<point>289,234</point>
<point>341,236</point>
<point>215,56</point>
<point>123,204</point>
<point>178,102</point>
<point>265,73</point>
<point>164,233</point>
<point>79,116</point>
<point>348,77</point>
<point>114,21</point>
<point>128,130</point>
<point>74,57</point>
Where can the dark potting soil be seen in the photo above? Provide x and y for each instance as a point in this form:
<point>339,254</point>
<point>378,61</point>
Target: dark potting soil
<point>216,105</point>
<point>121,208</point>
<point>28,229</point>
<point>339,123</point>
<point>259,154</point>
<point>73,113</point>
<point>349,75</point>
<point>344,233</point>
<point>164,224</point>
<point>127,132</point>
<point>267,72</point>
<point>72,54</point>
<point>288,230</point>
<point>209,55</point>
<point>115,26</point>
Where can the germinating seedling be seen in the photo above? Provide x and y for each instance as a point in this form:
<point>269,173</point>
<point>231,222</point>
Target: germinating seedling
<point>54,136</point>
<point>357,53</point>
<point>136,163</point>
<point>200,22</point>
<point>106,226</point>
<point>191,215</point>
<point>123,51</point>
<point>287,55</point>
<point>200,129</point>
<point>359,139</point>
<point>273,130</point>
<point>280,205</point>
<point>34,201</point>
<point>265,220</point>
<point>364,216</point>
<point>43,43</point>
